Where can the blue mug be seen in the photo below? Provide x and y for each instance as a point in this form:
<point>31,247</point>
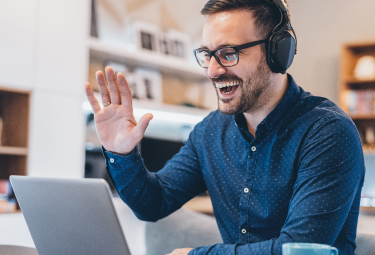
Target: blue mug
<point>308,249</point>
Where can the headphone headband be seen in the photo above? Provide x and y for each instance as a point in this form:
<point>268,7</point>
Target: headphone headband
<point>281,5</point>
<point>282,45</point>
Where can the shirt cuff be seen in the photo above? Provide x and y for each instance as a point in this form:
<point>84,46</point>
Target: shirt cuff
<point>115,161</point>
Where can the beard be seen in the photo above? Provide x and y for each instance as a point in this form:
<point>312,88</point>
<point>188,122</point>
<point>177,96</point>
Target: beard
<point>256,91</point>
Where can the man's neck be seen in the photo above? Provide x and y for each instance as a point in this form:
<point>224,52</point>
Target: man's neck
<point>254,118</point>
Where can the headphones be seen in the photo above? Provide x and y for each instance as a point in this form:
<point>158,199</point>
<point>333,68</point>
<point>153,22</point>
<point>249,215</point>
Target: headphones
<point>282,44</point>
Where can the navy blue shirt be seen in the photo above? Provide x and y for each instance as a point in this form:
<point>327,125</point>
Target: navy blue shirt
<point>298,180</point>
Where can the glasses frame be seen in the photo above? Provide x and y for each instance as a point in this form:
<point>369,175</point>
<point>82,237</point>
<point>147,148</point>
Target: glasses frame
<point>236,48</point>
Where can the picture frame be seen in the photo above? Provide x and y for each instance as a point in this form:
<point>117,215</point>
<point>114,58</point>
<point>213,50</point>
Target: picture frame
<point>165,46</point>
<point>148,85</point>
<point>143,36</point>
<point>180,43</point>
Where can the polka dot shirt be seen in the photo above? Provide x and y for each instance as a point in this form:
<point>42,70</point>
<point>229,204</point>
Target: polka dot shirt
<point>298,180</point>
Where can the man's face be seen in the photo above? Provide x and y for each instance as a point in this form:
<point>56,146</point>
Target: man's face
<point>249,81</point>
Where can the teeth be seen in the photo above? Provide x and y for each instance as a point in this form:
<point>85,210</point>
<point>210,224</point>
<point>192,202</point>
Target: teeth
<point>225,84</point>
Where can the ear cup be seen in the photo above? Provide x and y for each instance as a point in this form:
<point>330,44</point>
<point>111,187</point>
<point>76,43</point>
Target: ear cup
<point>280,51</point>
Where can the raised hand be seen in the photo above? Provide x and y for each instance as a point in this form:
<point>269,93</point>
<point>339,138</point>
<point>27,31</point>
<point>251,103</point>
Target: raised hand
<point>115,124</point>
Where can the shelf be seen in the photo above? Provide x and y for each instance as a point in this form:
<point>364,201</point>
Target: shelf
<point>167,65</point>
<point>7,150</point>
<point>367,151</point>
<point>365,209</point>
<point>361,47</point>
<point>363,117</point>
<point>354,81</point>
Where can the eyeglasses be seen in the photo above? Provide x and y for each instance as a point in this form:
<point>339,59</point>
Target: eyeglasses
<point>225,56</point>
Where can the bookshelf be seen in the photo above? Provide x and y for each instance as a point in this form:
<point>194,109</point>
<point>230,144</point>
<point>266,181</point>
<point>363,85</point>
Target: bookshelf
<point>357,97</point>
<point>14,111</point>
<point>167,65</point>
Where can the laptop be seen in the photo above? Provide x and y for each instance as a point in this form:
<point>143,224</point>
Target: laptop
<point>70,216</point>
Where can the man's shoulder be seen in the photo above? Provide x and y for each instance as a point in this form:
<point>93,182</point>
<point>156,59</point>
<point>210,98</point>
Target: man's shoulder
<point>311,112</point>
<point>313,108</point>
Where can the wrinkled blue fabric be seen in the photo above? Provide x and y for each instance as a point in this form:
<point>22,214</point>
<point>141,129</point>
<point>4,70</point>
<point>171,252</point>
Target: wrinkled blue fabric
<point>298,180</point>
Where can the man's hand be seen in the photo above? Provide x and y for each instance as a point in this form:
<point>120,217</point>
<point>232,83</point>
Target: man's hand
<point>183,251</point>
<point>115,124</point>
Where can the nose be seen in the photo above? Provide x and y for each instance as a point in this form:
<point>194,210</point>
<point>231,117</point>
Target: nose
<point>214,69</point>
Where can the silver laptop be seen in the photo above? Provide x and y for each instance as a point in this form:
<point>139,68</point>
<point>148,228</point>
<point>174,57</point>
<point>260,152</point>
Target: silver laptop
<point>70,216</point>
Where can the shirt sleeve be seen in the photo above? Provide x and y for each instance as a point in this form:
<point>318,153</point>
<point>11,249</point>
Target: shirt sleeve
<point>327,188</point>
<point>153,196</point>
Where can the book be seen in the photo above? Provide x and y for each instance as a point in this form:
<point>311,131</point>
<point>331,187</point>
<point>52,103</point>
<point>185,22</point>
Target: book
<point>8,206</point>
<point>5,189</point>
<point>1,128</point>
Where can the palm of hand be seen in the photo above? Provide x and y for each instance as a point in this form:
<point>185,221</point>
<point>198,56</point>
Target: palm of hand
<point>115,124</point>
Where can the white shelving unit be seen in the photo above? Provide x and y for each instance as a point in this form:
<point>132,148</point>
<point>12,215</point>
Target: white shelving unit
<point>167,65</point>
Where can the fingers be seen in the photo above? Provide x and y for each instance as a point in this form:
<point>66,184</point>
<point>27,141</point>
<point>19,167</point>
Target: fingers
<point>140,129</point>
<point>103,89</point>
<point>126,94</point>
<point>114,90</point>
<point>183,251</point>
<point>92,99</point>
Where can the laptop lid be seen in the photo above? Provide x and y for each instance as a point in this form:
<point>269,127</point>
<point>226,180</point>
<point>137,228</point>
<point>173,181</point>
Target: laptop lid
<point>70,216</point>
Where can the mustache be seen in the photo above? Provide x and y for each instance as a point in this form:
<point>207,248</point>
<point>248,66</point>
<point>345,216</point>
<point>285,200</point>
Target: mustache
<point>226,78</point>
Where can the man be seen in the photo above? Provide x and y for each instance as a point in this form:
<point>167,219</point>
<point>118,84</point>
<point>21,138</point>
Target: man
<point>280,164</point>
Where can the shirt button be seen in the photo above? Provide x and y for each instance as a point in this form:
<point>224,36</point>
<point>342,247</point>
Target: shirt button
<point>253,148</point>
<point>111,160</point>
<point>243,231</point>
<point>246,190</point>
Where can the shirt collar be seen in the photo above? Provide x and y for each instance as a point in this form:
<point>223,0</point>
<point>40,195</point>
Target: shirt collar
<point>287,102</point>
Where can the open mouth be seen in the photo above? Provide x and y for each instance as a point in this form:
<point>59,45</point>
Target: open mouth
<point>227,87</point>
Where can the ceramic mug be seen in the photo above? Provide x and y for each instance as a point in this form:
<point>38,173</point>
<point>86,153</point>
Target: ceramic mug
<point>308,249</point>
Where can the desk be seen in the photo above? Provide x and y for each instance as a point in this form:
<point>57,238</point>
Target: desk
<point>200,204</point>
<point>17,250</point>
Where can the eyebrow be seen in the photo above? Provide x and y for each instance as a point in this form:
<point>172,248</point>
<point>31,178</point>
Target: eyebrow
<point>220,46</point>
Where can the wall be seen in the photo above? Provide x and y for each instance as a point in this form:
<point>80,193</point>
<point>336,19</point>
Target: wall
<point>322,27</point>
<point>43,49</point>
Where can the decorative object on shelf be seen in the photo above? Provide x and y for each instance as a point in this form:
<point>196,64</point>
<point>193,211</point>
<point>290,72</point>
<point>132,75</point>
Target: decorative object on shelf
<point>142,36</point>
<point>1,129</point>
<point>5,189</point>
<point>180,43</point>
<point>7,203</point>
<point>359,102</point>
<point>132,82</point>
<point>365,68</point>
<point>370,135</point>
<point>8,206</point>
<point>148,85</point>
<point>94,23</point>
<point>165,46</point>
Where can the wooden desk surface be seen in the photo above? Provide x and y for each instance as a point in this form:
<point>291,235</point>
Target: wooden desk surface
<point>200,204</point>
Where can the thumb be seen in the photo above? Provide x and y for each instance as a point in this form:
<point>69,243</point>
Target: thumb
<point>140,129</point>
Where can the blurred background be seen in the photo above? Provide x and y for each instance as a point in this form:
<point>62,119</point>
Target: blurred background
<point>49,49</point>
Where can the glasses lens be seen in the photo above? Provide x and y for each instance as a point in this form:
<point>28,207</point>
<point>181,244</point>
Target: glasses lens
<point>227,56</point>
<point>203,57</point>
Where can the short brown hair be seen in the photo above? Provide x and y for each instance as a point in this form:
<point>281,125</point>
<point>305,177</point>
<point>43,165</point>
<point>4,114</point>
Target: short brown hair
<point>266,14</point>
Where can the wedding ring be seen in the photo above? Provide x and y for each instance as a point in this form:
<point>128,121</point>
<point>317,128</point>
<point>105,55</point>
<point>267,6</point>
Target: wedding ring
<point>106,103</point>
